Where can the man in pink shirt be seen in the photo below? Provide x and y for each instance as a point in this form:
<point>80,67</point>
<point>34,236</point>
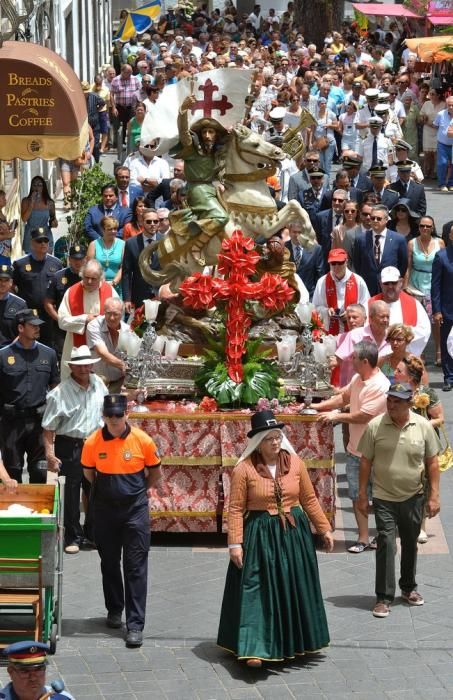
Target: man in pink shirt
<point>375,330</point>
<point>366,395</point>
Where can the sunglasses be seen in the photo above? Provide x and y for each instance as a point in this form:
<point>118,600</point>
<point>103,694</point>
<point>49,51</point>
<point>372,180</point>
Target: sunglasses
<point>338,263</point>
<point>151,221</point>
<point>377,218</point>
<point>312,160</point>
<point>116,415</point>
<point>338,199</point>
<point>425,226</point>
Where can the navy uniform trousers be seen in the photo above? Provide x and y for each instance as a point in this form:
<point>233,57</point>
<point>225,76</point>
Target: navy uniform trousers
<point>123,527</point>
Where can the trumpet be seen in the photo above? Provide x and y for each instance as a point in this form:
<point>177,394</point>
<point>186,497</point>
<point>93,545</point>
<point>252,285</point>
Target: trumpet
<point>293,143</point>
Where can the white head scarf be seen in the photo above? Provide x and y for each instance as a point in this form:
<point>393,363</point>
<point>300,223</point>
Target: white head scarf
<point>256,439</point>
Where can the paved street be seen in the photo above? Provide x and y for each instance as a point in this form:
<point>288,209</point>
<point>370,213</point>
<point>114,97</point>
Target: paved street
<point>408,655</point>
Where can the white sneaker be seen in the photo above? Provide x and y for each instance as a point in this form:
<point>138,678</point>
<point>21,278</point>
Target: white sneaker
<point>423,537</point>
<point>72,549</point>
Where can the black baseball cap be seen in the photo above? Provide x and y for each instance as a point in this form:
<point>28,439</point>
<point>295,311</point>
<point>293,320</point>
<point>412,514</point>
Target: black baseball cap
<point>6,271</point>
<point>78,252</point>
<point>39,234</point>
<point>401,391</point>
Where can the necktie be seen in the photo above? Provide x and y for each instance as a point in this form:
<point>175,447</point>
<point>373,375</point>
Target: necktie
<point>108,212</point>
<point>297,255</point>
<point>377,248</point>
<point>124,198</point>
<point>148,241</point>
<point>374,152</point>
<point>338,219</point>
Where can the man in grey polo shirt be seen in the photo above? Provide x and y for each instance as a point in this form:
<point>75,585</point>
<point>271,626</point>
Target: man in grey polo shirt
<point>102,339</point>
<point>402,449</point>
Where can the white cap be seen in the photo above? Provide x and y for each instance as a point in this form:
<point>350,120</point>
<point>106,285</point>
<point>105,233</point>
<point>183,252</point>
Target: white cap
<point>390,274</point>
<point>277,114</point>
<point>372,93</point>
<point>381,108</point>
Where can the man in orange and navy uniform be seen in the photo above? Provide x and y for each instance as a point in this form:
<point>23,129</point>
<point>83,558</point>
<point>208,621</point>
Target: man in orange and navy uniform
<point>123,465</point>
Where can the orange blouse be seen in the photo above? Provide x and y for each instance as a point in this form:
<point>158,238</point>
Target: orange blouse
<point>251,491</point>
<point>129,231</point>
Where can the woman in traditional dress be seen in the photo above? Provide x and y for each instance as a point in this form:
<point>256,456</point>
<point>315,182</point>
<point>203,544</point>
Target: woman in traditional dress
<point>272,605</point>
<point>108,251</point>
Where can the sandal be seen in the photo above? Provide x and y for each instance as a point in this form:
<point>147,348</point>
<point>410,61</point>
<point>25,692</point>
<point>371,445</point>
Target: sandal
<point>358,547</point>
<point>254,663</point>
<point>438,362</point>
<point>373,543</point>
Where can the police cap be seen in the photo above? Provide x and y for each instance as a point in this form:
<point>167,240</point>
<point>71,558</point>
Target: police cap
<point>28,316</point>
<point>78,252</point>
<point>39,234</point>
<point>6,271</point>
<point>29,654</point>
<point>115,404</point>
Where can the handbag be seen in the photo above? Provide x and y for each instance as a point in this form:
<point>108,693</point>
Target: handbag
<point>445,456</point>
<point>321,143</point>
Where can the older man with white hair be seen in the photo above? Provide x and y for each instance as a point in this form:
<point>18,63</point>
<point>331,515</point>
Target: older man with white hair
<point>81,303</point>
<point>103,334</point>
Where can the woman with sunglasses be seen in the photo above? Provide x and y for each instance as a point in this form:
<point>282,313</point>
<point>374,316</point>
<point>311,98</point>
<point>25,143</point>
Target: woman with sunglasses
<point>421,252</point>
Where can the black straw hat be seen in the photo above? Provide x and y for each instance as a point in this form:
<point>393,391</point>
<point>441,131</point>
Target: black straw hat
<point>264,420</point>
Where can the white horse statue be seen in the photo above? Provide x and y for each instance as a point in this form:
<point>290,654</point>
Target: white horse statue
<point>249,161</point>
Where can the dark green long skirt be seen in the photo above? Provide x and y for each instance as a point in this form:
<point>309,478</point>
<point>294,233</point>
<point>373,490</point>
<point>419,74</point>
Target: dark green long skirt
<point>272,608</point>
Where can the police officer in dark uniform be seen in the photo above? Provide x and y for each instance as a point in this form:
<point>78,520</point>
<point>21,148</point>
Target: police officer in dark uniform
<point>28,370</point>
<point>27,662</point>
<point>56,288</point>
<point>10,304</point>
<point>122,463</point>
<point>31,277</point>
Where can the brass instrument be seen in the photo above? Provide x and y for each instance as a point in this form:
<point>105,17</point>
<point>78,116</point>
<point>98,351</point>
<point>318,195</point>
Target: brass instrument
<point>293,144</point>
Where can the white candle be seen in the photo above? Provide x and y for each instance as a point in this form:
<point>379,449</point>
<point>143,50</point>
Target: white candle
<point>330,343</point>
<point>171,349</point>
<point>304,312</point>
<point>159,344</point>
<point>319,353</point>
<point>151,309</point>
<point>134,345</point>
<point>283,351</point>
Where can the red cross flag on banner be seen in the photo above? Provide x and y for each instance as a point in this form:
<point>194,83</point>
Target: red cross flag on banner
<point>220,94</point>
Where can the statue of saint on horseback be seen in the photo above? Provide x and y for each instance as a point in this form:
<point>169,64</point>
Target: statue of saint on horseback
<point>202,149</point>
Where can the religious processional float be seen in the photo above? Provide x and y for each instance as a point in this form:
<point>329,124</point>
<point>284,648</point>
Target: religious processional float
<point>230,328</point>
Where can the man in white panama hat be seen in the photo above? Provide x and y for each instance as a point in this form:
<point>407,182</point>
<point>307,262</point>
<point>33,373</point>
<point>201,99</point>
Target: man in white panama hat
<point>73,411</point>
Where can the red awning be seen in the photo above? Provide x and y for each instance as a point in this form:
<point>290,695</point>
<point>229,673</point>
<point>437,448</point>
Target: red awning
<point>372,8</point>
<point>440,20</point>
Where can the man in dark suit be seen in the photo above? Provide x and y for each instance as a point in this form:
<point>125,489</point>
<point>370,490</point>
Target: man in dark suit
<point>301,181</point>
<point>327,219</point>
<point>309,262</point>
<point>342,182</point>
<point>108,207</point>
<point>135,289</point>
<point>377,248</point>
<point>359,180</point>
<point>413,191</point>
<point>385,195</point>
<point>126,192</point>
<point>442,301</point>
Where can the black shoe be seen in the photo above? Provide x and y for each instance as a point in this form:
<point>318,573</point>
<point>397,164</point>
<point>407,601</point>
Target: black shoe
<point>87,545</point>
<point>447,387</point>
<point>113,621</point>
<point>134,638</point>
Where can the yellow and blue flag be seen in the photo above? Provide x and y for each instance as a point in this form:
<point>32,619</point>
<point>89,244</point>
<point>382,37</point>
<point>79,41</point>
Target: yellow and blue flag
<point>139,20</point>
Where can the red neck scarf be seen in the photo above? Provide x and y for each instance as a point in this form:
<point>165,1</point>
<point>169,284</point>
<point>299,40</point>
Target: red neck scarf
<point>350,297</point>
<point>75,301</point>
